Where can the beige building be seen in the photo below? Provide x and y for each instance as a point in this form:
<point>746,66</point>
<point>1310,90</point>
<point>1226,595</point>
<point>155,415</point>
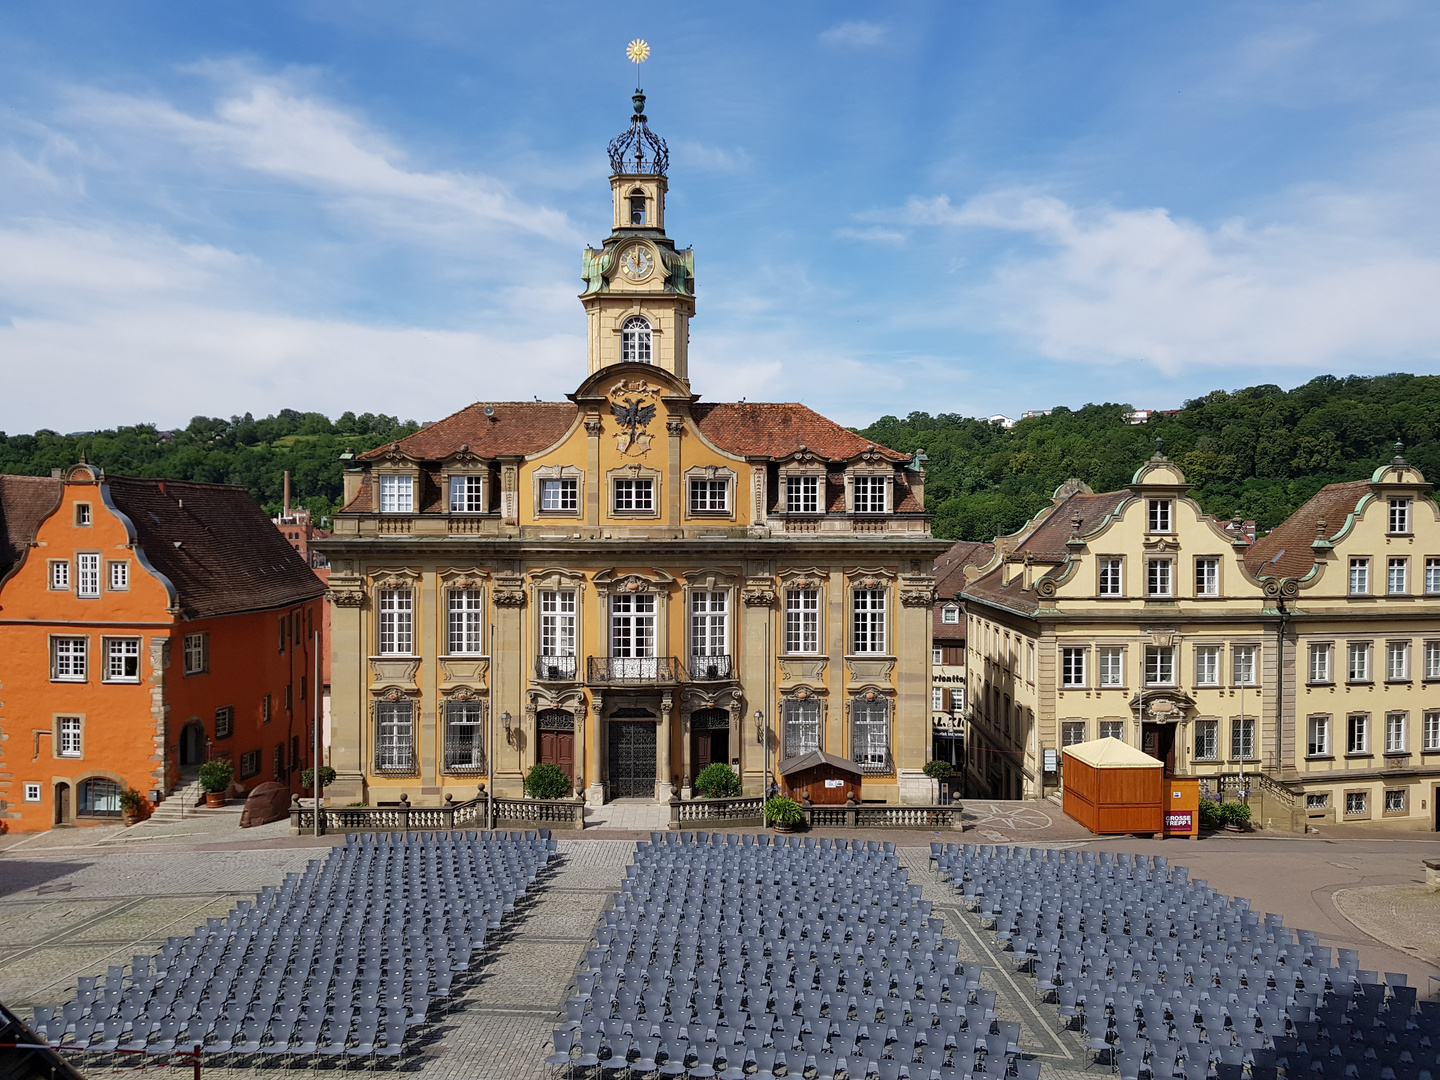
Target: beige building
<point>947,656</point>
<point>631,583</point>
<point>1293,668</point>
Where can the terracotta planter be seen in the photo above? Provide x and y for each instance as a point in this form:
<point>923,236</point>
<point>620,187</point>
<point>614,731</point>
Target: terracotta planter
<point>214,799</point>
<point>128,819</point>
<point>783,828</point>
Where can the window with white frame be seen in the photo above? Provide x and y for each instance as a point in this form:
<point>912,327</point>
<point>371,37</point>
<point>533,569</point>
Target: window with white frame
<point>1399,515</point>
<point>1355,804</point>
<point>1112,729</point>
<point>224,721</point>
<point>122,659</point>
<point>802,494</point>
<point>119,575</point>
<point>802,621</point>
<point>632,634</point>
<point>197,653</point>
<point>467,494</point>
<point>1432,660</point>
<point>1432,576</point>
<point>1318,742</point>
<point>950,614</point>
<point>1396,576</point>
<point>709,496</point>
<point>1072,732</point>
<point>1397,724</point>
<point>1110,666</point>
<point>60,575</point>
<point>1358,653</point>
<point>396,623</point>
<point>634,496</point>
<point>937,657</point>
<point>1397,661</point>
<point>466,620</point>
<point>1430,733</point>
<point>869,494</point>
<point>558,625</point>
<point>1320,662</point>
<point>1317,800</point>
<point>464,737</point>
<point>709,623</point>
<point>1394,800</point>
<point>1357,733</point>
<point>1243,665</point>
<point>1160,515</point>
<point>67,736</point>
<point>32,792</point>
<point>397,494</point>
<point>1207,740</point>
<point>1207,577</point>
<point>1359,577</point>
<point>937,698</point>
<point>87,574</point>
<point>802,726</point>
<point>82,514</point>
<point>1111,583</point>
<point>1072,667</point>
<point>1207,665</point>
<point>868,623</point>
<point>635,338</point>
<point>1160,665</point>
<point>870,734</point>
<point>69,658</point>
<point>559,496</point>
<point>1242,738</point>
<point>394,736</point>
<point>1158,578</point>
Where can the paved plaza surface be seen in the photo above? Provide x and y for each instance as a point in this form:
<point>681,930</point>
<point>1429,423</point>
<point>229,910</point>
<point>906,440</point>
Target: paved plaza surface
<point>74,901</point>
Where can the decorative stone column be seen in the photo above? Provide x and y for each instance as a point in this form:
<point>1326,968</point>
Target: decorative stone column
<point>595,793</point>
<point>686,791</point>
<point>663,788</point>
<point>349,707</point>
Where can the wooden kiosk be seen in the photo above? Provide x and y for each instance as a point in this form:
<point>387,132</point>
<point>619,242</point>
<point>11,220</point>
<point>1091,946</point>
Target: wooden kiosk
<point>1111,787</point>
<point>827,779</point>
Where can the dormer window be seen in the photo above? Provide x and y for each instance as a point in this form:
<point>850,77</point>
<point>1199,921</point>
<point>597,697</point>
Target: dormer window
<point>870,495</point>
<point>467,494</point>
<point>802,494</point>
<point>637,208</point>
<point>1399,516</point>
<point>397,494</point>
<point>635,341</point>
<point>1160,521</point>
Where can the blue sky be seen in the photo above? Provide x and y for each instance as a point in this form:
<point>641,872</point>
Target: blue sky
<point>955,207</point>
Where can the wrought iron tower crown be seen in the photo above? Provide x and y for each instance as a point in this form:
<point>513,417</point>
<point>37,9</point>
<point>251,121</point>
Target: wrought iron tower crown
<point>638,151</point>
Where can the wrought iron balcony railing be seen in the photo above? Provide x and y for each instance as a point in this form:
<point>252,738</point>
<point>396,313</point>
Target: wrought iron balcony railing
<point>711,668</point>
<point>632,670</point>
<point>555,668</point>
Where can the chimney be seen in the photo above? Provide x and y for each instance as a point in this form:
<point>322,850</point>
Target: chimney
<point>286,512</point>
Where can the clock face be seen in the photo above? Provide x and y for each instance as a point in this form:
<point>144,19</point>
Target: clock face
<point>636,263</point>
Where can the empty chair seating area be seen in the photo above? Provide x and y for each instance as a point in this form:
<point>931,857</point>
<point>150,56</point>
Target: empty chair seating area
<point>1167,977</point>
<point>341,960</point>
<point>730,957</point>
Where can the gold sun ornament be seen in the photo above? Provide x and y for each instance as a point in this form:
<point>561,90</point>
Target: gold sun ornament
<point>638,51</point>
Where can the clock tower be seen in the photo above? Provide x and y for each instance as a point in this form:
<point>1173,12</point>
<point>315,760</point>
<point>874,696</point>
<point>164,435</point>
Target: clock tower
<point>639,288</point>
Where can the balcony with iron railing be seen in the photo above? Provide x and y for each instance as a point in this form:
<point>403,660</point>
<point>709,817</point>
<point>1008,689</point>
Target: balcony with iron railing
<point>633,670</point>
<point>711,668</point>
<point>555,668</point>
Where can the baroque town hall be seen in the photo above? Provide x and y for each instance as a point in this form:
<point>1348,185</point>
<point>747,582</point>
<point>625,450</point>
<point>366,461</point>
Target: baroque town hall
<point>635,582</point>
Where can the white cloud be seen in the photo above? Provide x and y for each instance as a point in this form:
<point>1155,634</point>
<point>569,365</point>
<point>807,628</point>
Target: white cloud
<point>855,34</point>
<point>873,234</point>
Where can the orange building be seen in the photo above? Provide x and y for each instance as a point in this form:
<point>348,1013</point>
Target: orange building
<point>146,626</point>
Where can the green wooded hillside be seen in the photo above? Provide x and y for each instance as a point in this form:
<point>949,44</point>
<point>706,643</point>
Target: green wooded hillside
<point>1261,451</point>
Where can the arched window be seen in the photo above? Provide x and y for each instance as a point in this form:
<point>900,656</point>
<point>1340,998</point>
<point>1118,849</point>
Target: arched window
<point>635,340</point>
<point>637,207</point>
<point>99,798</point>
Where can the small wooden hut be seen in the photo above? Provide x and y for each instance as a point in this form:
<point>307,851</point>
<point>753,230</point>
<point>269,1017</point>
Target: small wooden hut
<point>1111,787</point>
<point>827,779</point>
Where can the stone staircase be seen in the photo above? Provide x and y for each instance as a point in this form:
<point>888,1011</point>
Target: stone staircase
<point>180,799</point>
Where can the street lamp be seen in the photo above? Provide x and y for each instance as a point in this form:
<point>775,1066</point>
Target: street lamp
<point>764,742</point>
<point>509,734</point>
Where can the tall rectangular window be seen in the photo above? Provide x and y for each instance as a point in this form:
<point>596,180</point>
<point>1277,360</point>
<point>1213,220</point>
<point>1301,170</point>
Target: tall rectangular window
<point>1207,665</point>
<point>394,737</point>
<point>869,494</point>
<point>1432,659</point>
<point>1430,733</point>
<point>1111,666</point>
<point>87,574</point>
<point>467,494</point>
<point>1207,740</point>
<point>1318,744</point>
<point>1357,733</point>
<point>1396,725</point>
<point>559,496</point>
<point>68,731</point>
<point>1160,518</point>
<point>802,621</point>
<point>467,617</point>
<point>557,622</point>
<point>802,727</point>
<point>1207,577</point>
<point>870,735</point>
<point>802,494</point>
<point>1359,656</point>
<point>1359,577</point>
<point>119,575</point>
<point>709,623</point>
<point>1320,663</point>
<point>632,636</point>
<point>1397,661</point>
<point>1396,576</point>
<point>1242,662</point>
<point>709,496</point>
<point>122,659</point>
<point>1399,515</point>
<point>1072,667</point>
<point>397,622</point>
<point>69,659</point>
<point>634,496</point>
<point>937,698</point>
<point>1432,577</point>
<point>1242,738</point>
<point>464,737</point>
<point>224,721</point>
<point>60,575</point>
<point>869,620</point>
<point>1160,665</point>
<point>1158,579</point>
<point>1110,580</point>
<point>397,494</point>
<point>197,654</point>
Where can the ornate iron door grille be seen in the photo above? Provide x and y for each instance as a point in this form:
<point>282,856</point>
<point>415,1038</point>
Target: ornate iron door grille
<point>632,760</point>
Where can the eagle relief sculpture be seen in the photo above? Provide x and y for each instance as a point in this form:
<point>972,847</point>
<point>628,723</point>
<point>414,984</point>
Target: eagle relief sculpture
<point>632,412</point>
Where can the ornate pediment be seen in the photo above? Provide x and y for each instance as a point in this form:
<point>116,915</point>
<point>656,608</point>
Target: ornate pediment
<point>633,403</point>
<point>655,580</point>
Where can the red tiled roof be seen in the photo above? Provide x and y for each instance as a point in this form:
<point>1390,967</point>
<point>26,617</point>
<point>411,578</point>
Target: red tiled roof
<point>518,427</point>
<point>1012,595</point>
<point>1285,551</point>
<point>25,501</point>
<point>1050,535</point>
<point>950,567</point>
<point>778,429</point>
<point>215,544</point>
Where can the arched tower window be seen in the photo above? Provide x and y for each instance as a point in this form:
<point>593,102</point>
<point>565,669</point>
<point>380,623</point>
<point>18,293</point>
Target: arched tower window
<point>635,340</point>
<point>637,207</point>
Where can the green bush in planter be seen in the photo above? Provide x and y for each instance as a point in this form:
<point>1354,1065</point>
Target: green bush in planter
<point>131,801</point>
<point>1212,814</point>
<point>717,781</point>
<point>1238,813</point>
<point>215,776</point>
<point>307,777</point>
<point>547,781</point>
<point>784,812</point>
<point>939,770</point>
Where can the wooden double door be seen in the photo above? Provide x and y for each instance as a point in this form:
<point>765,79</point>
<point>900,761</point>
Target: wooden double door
<point>557,740</point>
<point>1158,740</point>
<point>709,739</point>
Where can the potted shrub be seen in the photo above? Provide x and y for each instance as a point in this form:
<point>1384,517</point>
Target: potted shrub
<point>215,777</point>
<point>546,781</point>
<point>131,805</point>
<point>938,771</point>
<point>783,815</point>
<point>717,781</point>
<point>1237,817</point>
<point>1211,814</point>
<point>307,777</point>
